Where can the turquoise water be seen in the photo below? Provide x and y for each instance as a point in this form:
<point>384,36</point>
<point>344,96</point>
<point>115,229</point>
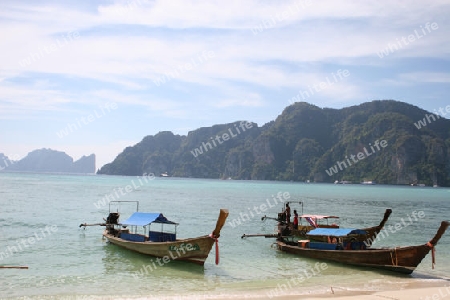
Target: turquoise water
<point>40,215</point>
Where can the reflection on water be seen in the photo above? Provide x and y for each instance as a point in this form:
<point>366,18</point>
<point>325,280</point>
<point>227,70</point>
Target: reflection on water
<point>119,260</point>
<point>74,261</point>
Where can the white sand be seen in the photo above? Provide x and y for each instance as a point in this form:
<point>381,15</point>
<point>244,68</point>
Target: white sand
<point>427,293</point>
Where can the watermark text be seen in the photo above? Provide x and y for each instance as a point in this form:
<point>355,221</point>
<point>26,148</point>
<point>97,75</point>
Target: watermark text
<point>429,118</point>
<point>122,191</point>
<point>60,42</point>
<point>414,217</point>
<point>323,85</point>
<point>258,210</point>
<point>282,289</point>
<point>180,251</point>
<point>405,41</point>
<point>25,243</point>
<point>281,16</point>
<point>243,126</point>
<point>86,120</point>
<point>187,66</point>
<point>341,165</point>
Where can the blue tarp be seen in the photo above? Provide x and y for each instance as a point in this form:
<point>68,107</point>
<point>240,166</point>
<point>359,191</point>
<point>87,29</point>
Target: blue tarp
<point>336,231</point>
<point>143,219</point>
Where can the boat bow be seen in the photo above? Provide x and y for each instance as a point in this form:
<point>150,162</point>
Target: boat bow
<point>435,240</point>
<point>439,233</point>
<point>372,232</point>
<point>216,232</point>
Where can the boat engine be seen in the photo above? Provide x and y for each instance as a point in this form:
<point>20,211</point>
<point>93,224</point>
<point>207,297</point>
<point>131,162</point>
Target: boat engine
<point>112,219</point>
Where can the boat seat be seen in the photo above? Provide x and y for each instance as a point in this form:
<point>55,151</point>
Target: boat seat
<point>156,236</point>
<point>303,243</point>
<point>132,237</point>
<point>322,246</point>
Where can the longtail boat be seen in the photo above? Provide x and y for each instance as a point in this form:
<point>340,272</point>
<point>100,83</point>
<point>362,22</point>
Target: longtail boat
<point>366,235</point>
<point>286,230</point>
<point>161,243</point>
<point>398,259</point>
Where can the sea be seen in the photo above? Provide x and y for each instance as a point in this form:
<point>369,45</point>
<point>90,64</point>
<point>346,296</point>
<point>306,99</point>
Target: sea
<point>40,216</point>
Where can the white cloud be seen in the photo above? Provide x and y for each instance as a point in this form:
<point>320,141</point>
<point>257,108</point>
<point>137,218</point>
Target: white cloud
<point>125,46</point>
<point>18,102</point>
<point>124,59</point>
<point>241,99</point>
<point>422,77</point>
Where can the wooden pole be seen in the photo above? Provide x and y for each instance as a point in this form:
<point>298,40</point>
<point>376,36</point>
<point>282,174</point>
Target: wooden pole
<point>220,222</point>
<point>255,235</point>
<point>13,267</point>
<point>95,224</point>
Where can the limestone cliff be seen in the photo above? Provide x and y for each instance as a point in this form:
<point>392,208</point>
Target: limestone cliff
<point>305,142</point>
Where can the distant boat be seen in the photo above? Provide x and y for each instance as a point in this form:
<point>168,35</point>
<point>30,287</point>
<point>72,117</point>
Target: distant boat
<point>164,174</point>
<point>159,243</point>
<point>343,182</point>
<point>398,259</point>
<point>369,182</point>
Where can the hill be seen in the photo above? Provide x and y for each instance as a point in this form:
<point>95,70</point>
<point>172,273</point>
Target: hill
<point>51,161</point>
<point>385,141</point>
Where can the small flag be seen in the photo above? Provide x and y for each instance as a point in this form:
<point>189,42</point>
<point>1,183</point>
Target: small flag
<point>312,222</point>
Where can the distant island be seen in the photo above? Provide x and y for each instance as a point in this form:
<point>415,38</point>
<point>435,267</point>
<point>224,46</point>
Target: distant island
<point>384,141</point>
<point>49,161</point>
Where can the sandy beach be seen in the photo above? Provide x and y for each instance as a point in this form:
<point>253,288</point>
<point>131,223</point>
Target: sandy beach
<point>426,291</point>
<point>430,293</point>
<point>431,290</point>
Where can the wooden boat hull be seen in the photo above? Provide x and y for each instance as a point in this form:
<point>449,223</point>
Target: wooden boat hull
<point>403,259</point>
<point>367,238</point>
<point>194,250</point>
<point>400,259</point>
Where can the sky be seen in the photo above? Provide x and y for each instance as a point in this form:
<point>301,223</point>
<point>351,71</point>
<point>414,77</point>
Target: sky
<point>97,76</point>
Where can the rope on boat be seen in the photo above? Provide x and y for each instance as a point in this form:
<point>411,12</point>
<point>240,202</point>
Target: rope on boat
<point>217,251</point>
<point>394,263</point>
<point>216,239</point>
<point>433,253</point>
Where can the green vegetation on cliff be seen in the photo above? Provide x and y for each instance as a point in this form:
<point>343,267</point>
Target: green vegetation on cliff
<point>304,143</point>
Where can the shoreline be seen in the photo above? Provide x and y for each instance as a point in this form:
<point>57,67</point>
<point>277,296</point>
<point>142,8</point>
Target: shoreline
<point>435,293</point>
<point>436,289</point>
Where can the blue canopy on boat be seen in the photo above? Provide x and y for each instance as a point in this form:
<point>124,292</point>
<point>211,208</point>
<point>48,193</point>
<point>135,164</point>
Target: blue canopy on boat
<point>143,219</point>
<point>336,231</point>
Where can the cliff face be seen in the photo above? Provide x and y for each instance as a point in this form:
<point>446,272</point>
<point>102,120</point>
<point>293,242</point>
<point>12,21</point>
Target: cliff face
<point>51,161</point>
<point>5,161</point>
<point>85,164</point>
<point>305,142</point>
